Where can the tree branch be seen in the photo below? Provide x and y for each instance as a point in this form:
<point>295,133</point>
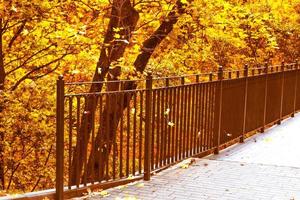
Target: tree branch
<point>28,59</point>
<point>16,35</point>
<point>158,36</point>
<point>27,75</point>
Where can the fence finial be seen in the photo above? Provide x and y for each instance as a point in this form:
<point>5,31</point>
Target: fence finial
<point>246,69</point>
<point>220,73</point>
<point>266,67</point>
<point>149,74</point>
<point>282,66</point>
<point>60,77</point>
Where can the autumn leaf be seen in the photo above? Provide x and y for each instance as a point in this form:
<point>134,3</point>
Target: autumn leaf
<point>104,193</point>
<point>117,36</point>
<point>268,139</point>
<point>171,124</point>
<point>140,185</point>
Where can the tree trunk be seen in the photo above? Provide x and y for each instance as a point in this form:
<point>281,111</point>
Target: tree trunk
<point>2,78</point>
<point>107,131</point>
<point>124,16</point>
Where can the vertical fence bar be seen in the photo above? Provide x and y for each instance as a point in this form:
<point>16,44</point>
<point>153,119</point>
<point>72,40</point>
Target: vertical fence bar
<point>296,88</point>
<point>218,110</point>
<point>141,132</point>
<point>211,99</point>
<point>60,138</point>
<point>157,121</point>
<point>168,128</point>
<point>85,141</point>
<point>153,130</point>
<point>147,156</point>
<point>197,144</point>
<point>265,98</point>
<point>184,139</point>
<point>70,140</point>
<point>282,92</point>
<point>128,118</point>
<point>242,138</point>
<point>78,124</point>
<point>177,133</point>
<point>188,121</point>
<point>181,119</point>
<point>121,132</point>
<point>134,132</point>
<point>162,131</point>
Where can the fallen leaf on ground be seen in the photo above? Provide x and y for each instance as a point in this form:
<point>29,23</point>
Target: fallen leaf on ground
<point>130,198</point>
<point>130,177</point>
<point>104,193</point>
<point>184,166</point>
<point>140,185</point>
<point>121,187</point>
<point>89,190</point>
<point>268,140</point>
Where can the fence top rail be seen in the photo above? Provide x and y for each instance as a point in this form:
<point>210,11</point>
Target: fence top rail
<point>104,93</point>
<point>134,90</point>
<point>191,78</point>
<point>138,80</point>
<point>103,82</point>
<point>184,76</point>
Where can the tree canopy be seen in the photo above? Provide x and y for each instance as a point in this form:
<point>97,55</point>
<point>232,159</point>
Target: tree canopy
<point>118,39</point>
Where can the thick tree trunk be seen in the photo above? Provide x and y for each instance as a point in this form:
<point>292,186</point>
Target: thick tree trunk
<point>123,16</point>
<point>107,132</point>
<point>2,71</point>
<point>2,78</point>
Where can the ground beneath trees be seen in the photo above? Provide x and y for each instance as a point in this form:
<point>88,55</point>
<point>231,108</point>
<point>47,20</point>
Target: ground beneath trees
<point>266,166</point>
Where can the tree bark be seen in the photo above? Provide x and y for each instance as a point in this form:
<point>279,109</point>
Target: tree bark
<point>123,16</point>
<point>107,131</point>
<point>2,71</point>
<point>2,79</point>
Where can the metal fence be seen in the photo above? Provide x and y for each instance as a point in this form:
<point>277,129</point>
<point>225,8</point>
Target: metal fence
<point>114,137</point>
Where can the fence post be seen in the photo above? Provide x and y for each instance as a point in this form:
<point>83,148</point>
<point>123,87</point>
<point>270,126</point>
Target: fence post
<point>211,76</point>
<point>60,93</point>
<point>296,88</point>
<point>245,103</point>
<point>265,97</point>
<point>218,110</point>
<point>182,80</point>
<point>281,95</point>
<point>147,152</point>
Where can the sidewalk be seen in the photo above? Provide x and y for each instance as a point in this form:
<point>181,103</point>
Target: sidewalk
<point>266,166</point>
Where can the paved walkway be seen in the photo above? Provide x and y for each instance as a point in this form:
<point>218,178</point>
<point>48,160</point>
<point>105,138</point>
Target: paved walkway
<point>266,166</point>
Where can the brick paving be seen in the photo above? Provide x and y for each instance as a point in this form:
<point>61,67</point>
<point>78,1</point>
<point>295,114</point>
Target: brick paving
<point>266,166</point>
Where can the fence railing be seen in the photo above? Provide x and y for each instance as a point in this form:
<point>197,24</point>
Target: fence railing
<point>120,135</point>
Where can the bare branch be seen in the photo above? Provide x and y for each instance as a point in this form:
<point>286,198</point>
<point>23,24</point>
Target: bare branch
<point>27,75</point>
<point>28,59</point>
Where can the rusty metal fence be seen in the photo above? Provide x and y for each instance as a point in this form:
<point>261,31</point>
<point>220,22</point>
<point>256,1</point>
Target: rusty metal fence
<point>109,138</point>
